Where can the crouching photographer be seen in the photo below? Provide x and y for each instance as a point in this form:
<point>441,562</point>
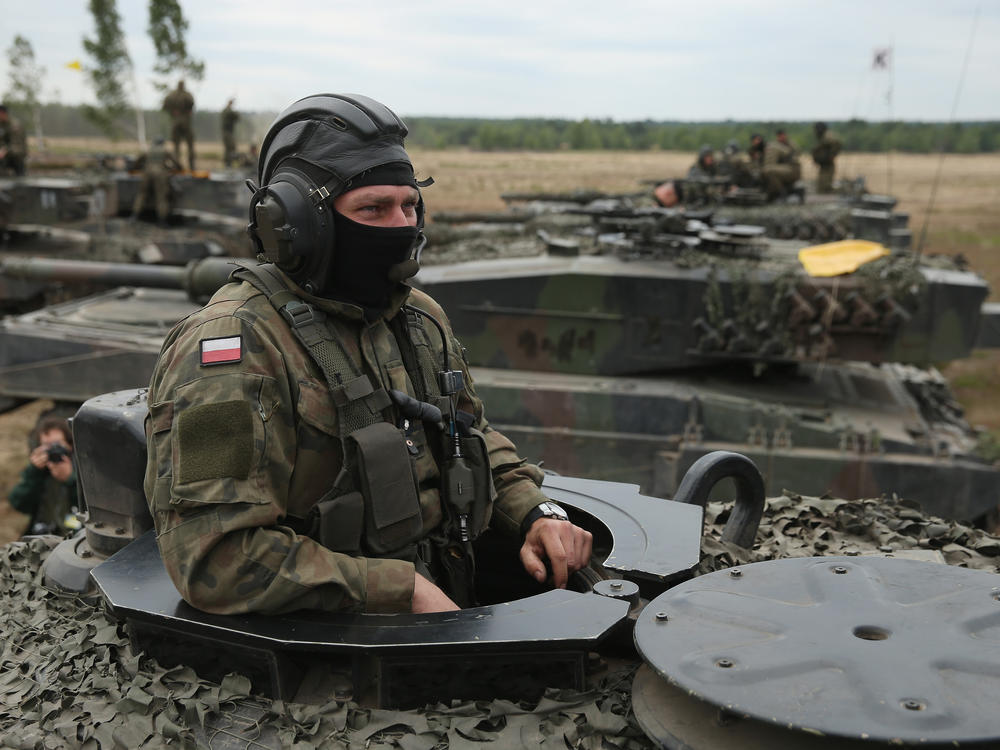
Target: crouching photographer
<point>47,489</point>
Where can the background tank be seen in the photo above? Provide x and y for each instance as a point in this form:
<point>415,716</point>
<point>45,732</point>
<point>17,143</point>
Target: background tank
<point>632,353</point>
<point>73,350</point>
<point>803,215</point>
<point>80,219</point>
<point>635,341</point>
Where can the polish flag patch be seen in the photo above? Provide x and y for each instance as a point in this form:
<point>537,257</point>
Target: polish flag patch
<point>221,351</point>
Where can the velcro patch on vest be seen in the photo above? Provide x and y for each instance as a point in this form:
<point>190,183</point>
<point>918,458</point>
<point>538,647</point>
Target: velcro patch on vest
<point>221,351</point>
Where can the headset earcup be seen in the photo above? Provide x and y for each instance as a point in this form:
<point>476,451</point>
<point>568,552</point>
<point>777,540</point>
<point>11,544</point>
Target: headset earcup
<point>286,224</point>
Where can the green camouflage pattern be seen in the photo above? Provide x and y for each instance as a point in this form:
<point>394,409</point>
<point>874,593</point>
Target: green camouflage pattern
<point>69,676</point>
<point>179,105</point>
<point>157,166</point>
<point>14,140</point>
<point>781,167</point>
<point>228,119</point>
<point>824,153</point>
<point>223,539</point>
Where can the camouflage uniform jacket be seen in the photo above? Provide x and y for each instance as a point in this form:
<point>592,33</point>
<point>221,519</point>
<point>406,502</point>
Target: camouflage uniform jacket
<point>236,448</point>
<point>229,117</point>
<point>179,104</point>
<point>776,152</point>
<point>699,170</point>
<point>14,138</point>
<point>158,161</point>
<point>826,150</point>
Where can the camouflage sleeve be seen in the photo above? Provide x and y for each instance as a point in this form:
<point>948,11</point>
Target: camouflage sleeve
<point>518,483</point>
<point>222,444</point>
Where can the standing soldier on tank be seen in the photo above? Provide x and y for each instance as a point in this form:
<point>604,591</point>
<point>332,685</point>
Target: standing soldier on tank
<point>781,166</point>
<point>229,117</point>
<point>13,144</point>
<point>756,150</point>
<point>179,104</point>
<point>156,164</point>
<point>824,152</point>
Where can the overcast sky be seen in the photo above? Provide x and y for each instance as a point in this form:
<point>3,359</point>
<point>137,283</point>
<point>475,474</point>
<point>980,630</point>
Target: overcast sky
<point>619,59</point>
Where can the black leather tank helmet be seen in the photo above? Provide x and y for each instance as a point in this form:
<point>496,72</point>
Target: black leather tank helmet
<point>316,149</point>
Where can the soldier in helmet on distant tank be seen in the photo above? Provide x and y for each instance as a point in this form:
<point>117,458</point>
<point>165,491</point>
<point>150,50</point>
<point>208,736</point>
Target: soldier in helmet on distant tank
<point>705,166</point>
<point>156,165</point>
<point>315,438</point>
<point>179,104</point>
<point>824,153</point>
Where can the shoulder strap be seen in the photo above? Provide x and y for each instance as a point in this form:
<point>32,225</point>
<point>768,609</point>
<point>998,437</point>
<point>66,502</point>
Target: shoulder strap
<point>359,403</point>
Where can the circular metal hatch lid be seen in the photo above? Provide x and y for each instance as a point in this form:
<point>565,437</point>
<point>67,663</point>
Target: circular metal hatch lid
<point>859,647</point>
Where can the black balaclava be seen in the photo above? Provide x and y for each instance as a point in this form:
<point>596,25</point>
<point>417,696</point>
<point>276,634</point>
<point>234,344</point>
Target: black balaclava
<point>326,145</point>
<point>367,262</point>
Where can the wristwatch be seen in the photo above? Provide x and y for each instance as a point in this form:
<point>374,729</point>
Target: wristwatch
<point>548,509</point>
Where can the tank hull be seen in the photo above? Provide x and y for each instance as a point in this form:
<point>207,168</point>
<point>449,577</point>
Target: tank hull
<point>851,431</point>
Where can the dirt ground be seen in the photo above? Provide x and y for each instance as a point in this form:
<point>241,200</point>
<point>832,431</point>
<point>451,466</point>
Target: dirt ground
<point>965,219</point>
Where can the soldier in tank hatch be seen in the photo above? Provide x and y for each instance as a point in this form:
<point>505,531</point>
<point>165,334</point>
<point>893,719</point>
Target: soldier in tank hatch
<point>156,165</point>
<point>315,438</point>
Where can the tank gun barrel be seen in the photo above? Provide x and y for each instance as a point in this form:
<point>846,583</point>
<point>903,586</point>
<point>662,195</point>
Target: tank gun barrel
<point>199,278</point>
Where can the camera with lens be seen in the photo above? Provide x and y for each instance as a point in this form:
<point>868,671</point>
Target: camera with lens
<point>56,452</point>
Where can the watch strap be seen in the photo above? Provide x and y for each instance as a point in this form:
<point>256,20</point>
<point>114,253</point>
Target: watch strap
<point>548,509</point>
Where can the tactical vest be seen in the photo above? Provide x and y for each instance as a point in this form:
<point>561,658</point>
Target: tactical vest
<point>373,507</point>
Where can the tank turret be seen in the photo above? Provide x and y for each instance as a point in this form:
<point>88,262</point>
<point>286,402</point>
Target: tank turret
<point>618,337</point>
<point>77,349</point>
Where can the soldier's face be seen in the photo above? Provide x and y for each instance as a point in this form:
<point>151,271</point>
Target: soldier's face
<point>380,205</point>
<point>666,194</point>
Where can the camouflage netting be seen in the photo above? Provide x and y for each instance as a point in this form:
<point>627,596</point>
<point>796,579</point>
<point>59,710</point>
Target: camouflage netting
<point>69,678</point>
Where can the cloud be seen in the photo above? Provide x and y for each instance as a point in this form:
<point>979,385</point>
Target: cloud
<point>634,59</point>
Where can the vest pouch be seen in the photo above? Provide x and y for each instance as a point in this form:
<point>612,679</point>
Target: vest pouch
<point>385,472</point>
<point>477,458</point>
<point>338,523</point>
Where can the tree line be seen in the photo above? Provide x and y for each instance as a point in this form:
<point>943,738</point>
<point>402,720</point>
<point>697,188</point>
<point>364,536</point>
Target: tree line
<point>583,135</point>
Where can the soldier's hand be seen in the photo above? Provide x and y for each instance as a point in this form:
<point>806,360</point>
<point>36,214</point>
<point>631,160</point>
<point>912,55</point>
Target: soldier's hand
<point>39,457</point>
<point>567,548</point>
<point>429,598</point>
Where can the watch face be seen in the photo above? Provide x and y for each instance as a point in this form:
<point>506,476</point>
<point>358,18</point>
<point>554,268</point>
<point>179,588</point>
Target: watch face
<point>551,510</point>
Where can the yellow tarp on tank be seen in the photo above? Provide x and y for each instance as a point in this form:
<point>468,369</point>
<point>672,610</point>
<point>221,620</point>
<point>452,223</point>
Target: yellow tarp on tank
<point>836,258</point>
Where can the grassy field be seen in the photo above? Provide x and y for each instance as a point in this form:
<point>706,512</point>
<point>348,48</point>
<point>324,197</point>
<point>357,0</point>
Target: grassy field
<point>964,219</point>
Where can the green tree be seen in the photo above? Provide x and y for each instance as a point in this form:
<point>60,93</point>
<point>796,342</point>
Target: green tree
<point>25,76</point>
<point>167,28</point>
<point>111,63</point>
